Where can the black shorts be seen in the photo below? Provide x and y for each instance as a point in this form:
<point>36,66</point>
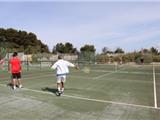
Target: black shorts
<point>142,60</point>
<point>16,75</point>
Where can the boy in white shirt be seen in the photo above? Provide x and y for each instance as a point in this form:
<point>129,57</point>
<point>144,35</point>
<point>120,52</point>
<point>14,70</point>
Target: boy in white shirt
<point>61,67</point>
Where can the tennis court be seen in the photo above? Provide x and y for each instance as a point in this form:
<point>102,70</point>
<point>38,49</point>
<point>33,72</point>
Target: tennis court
<point>106,92</point>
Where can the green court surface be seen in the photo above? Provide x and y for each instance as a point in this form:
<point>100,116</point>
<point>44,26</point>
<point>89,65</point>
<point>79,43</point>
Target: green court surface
<point>126,92</point>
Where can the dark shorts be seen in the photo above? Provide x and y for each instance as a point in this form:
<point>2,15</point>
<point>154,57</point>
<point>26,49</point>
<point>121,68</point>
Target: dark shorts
<point>16,75</point>
<point>142,60</point>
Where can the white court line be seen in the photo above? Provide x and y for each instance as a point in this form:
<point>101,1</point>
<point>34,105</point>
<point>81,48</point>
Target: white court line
<point>27,75</point>
<point>125,72</point>
<point>25,78</point>
<point>154,86</point>
<point>77,76</point>
<point>39,76</point>
<point>93,100</point>
<point>101,76</point>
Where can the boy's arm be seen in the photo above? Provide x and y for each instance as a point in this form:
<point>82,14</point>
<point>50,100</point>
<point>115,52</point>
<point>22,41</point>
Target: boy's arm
<point>73,65</point>
<point>53,66</point>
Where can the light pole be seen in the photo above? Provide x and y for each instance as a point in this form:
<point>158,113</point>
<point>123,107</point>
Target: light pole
<point>2,49</point>
<point>2,45</point>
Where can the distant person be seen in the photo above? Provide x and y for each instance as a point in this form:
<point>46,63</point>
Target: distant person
<point>15,69</point>
<point>120,61</point>
<point>2,62</point>
<point>62,70</point>
<point>142,60</point>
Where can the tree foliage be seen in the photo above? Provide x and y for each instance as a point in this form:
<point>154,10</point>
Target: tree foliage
<point>64,48</point>
<point>22,41</point>
<point>87,53</point>
<point>154,51</point>
<point>119,50</point>
<point>88,48</point>
<point>106,50</point>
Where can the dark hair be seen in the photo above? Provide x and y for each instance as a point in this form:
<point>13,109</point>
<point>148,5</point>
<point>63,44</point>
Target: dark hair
<point>60,57</point>
<point>15,54</point>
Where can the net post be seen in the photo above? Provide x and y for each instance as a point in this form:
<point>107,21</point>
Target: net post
<point>27,64</point>
<point>40,64</point>
<point>8,59</point>
<point>116,66</point>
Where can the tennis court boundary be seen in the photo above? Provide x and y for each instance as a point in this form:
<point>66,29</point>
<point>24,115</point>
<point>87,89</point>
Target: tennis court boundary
<point>101,76</point>
<point>25,78</point>
<point>90,99</point>
<point>106,74</point>
<point>154,88</point>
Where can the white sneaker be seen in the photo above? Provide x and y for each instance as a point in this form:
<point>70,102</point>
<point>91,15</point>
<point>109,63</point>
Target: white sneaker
<point>14,87</point>
<point>20,86</point>
<point>62,92</point>
<point>58,93</point>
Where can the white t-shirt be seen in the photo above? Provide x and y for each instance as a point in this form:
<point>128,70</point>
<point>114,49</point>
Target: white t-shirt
<point>61,67</point>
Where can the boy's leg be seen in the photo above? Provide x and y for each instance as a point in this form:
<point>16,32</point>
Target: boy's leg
<point>62,87</point>
<point>19,80</point>
<point>62,83</point>
<point>58,93</point>
<point>14,83</point>
<point>19,83</point>
<point>59,87</point>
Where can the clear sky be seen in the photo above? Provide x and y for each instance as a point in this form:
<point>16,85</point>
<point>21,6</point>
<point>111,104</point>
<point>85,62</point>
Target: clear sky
<point>128,25</point>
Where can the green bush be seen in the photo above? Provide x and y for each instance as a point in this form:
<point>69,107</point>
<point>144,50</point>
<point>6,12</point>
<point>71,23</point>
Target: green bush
<point>156,58</point>
<point>102,58</point>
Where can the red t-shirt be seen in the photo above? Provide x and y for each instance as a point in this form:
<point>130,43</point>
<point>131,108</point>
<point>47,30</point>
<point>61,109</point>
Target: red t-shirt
<point>15,65</point>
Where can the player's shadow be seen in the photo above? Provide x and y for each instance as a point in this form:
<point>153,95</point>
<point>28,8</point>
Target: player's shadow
<point>52,90</point>
<point>10,85</point>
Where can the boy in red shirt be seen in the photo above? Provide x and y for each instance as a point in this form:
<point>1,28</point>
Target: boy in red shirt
<point>15,69</point>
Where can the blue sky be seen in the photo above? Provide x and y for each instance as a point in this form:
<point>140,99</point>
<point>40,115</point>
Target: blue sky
<point>128,25</point>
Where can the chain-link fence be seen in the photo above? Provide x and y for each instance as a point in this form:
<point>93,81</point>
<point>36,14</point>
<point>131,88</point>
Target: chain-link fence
<point>41,61</point>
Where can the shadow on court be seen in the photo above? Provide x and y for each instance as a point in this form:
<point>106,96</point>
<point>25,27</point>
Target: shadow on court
<point>52,90</point>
